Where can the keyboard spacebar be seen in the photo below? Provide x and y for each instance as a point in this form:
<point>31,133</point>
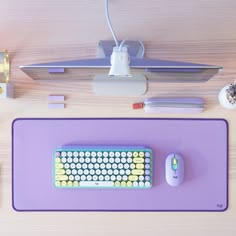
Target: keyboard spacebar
<point>96,183</point>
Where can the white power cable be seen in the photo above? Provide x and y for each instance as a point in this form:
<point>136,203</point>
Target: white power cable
<point>109,23</point>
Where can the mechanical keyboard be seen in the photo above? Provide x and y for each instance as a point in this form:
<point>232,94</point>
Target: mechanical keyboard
<point>103,167</point>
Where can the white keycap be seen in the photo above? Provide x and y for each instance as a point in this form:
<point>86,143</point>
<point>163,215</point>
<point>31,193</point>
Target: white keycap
<point>81,154</point>
<point>96,184</point>
<point>94,160</point>
<point>81,160</point>
<point>117,154</point>
<point>111,154</point>
<point>86,172</point>
<point>123,154</point>
<point>71,177</point>
<point>67,166</point>
<point>111,160</point>
<point>127,172</point>
<point>108,166</point>
<point>87,154</point>
<point>75,160</point>
<point>69,154</point>
<point>93,154</point>
<point>99,160</point>
<point>107,177</point>
<point>80,172</point>
<point>119,178</point>
<point>141,178</point>
<point>74,172</point>
<point>116,172</point>
<point>68,172</point>
<point>113,178</point>
<point>85,166</point>
<point>129,154</point>
<point>102,166</point>
<point>123,160</point>
<point>101,178</point>
<point>114,166</point>
<point>87,160</point>
<point>120,166</point>
<point>99,154</point>
<point>129,160</point>
<point>122,172</point>
<point>75,154</point>
<point>90,166</point>
<point>78,166</point>
<point>89,177</point>
<point>105,160</point>
<point>135,184</point>
<point>69,160</point>
<point>147,184</point>
<point>72,166</point>
<point>77,177</point>
<point>117,160</point>
<point>126,166</point>
<point>95,178</point>
<point>63,160</point>
<point>63,154</point>
<point>96,166</point>
<point>98,172</point>
<point>105,154</point>
<point>104,172</point>
<point>141,184</point>
<point>83,177</point>
<point>125,177</point>
<point>132,166</point>
<point>110,172</point>
<point>92,172</point>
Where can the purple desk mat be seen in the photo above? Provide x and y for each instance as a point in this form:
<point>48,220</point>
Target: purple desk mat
<point>203,144</point>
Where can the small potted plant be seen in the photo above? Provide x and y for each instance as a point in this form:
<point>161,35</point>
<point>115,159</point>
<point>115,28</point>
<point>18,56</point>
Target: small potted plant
<point>227,96</point>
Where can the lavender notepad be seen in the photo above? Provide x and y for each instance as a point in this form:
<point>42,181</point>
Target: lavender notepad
<point>203,143</point>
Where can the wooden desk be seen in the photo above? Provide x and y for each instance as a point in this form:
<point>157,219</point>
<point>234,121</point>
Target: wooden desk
<point>47,30</point>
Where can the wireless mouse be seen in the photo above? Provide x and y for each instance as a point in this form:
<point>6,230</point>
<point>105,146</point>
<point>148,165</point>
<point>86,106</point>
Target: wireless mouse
<point>174,168</point>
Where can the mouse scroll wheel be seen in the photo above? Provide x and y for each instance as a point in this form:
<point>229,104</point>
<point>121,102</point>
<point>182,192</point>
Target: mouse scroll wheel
<point>174,164</point>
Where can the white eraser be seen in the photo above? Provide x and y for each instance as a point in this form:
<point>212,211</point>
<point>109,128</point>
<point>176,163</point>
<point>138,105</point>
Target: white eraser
<point>56,98</point>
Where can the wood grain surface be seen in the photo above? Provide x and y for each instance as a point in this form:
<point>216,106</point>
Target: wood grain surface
<point>199,31</point>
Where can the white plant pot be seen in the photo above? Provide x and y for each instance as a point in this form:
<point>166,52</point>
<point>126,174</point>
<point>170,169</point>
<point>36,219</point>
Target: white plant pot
<point>223,99</point>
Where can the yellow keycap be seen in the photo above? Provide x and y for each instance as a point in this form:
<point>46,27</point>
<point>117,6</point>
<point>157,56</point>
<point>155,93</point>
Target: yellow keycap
<point>59,166</point>
<point>129,184</point>
<point>60,172</point>
<point>141,154</point>
<point>117,183</point>
<point>75,183</point>
<point>63,183</point>
<point>135,154</point>
<point>137,172</point>
<point>58,183</point>
<point>61,177</point>
<point>138,160</point>
<point>58,160</point>
<point>69,183</point>
<point>123,184</point>
<point>140,166</point>
<point>133,178</point>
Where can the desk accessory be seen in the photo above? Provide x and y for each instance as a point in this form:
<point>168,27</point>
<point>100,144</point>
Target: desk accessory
<point>103,167</point>
<point>6,87</point>
<point>227,96</point>
<point>205,184</point>
<point>171,105</point>
<point>126,62</point>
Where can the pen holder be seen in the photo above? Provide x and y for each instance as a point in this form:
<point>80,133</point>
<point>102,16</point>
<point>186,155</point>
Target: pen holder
<point>6,88</point>
<point>227,96</point>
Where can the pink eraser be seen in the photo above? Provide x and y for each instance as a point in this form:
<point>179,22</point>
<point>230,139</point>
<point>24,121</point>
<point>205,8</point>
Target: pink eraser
<point>56,105</point>
<point>56,98</point>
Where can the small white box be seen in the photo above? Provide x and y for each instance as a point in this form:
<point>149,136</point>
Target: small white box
<point>6,90</point>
